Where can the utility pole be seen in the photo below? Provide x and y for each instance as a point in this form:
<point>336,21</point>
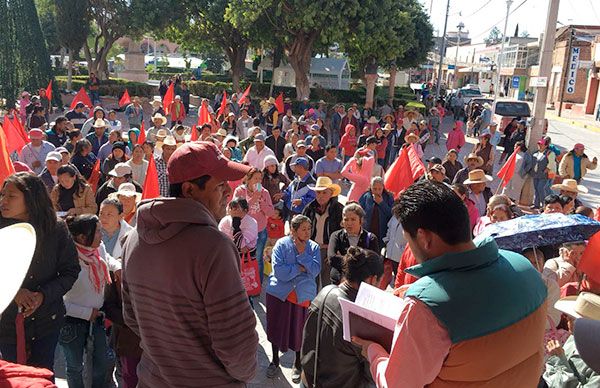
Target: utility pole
<point>501,54</point>
<point>567,67</point>
<point>541,93</point>
<point>454,81</point>
<point>442,52</point>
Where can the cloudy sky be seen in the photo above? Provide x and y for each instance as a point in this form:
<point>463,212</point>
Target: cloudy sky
<point>480,16</point>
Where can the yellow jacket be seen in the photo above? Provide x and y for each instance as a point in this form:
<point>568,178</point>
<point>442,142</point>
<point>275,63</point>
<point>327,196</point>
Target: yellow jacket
<point>566,168</point>
<point>84,202</point>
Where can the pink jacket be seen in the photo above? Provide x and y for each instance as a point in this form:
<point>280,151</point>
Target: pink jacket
<point>456,137</point>
<point>359,176</point>
<point>260,208</point>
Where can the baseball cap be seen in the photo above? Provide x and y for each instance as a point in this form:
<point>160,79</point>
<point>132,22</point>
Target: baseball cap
<point>53,155</point>
<point>259,137</point>
<point>195,159</point>
<point>438,168</point>
<point>120,170</point>
<point>434,160</point>
<point>300,161</point>
<point>62,150</point>
<point>315,127</point>
<point>578,146</point>
<point>300,143</point>
<point>36,134</point>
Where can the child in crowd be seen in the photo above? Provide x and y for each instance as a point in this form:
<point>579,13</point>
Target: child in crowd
<point>240,227</point>
<point>275,227</point>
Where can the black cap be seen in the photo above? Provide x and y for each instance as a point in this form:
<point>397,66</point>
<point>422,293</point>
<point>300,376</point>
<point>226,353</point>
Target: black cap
<point>371,140</point>
<point>119,145</point>
<point>434,160</point>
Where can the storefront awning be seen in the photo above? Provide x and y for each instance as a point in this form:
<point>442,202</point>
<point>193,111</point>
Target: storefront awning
<point>474,69</point>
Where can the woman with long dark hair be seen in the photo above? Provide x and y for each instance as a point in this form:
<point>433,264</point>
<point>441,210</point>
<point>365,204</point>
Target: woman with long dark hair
<point>72,194</point>
<point>52,272</point>
<point>83,158</point>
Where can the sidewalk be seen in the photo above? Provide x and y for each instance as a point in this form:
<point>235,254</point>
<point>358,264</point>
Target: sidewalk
<point>578,120</point>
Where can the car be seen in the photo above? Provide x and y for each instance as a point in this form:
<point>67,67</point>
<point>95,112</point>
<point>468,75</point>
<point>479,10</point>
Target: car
<point>468,94</point>
<point>506,110</point>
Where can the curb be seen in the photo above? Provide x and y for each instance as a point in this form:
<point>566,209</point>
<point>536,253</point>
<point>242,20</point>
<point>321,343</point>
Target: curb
<point>577,123</point>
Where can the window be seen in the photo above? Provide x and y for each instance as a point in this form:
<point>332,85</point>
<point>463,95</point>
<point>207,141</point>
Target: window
<point>512,109</point>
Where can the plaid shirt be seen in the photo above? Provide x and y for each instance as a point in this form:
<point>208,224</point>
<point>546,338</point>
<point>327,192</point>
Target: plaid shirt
<point>163,176</point>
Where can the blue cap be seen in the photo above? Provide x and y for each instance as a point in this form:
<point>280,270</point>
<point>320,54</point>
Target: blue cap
<point>301,161</point>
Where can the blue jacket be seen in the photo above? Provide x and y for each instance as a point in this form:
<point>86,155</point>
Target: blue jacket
<point>299,189</point>
<point>385,211</point>
<point>286,275</point>
<point>97,143</point>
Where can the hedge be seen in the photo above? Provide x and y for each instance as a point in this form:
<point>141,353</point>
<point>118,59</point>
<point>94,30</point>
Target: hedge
<point>116,86</point>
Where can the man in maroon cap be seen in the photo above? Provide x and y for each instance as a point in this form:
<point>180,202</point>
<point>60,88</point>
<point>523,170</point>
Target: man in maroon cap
<point>182,292</point>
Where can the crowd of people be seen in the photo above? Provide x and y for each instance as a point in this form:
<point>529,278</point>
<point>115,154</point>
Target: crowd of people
<point>156,284</point>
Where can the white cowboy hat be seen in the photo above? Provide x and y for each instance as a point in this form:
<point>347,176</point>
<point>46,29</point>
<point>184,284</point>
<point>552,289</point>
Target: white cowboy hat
<point>477,176</point>
<point>222,132</point>
<point>411,136</point>
<point>18,244</point>
<point>476,157</point>
<point>99,123</point>
<point>372,120</point>
<point>160,117</point>
<point>324,183</point>
<point>487,106</point>
<point>584,305</point>
<point>156,101</point>
<point>571,186</point>
<point>126,189</point>
<point>169,141</point>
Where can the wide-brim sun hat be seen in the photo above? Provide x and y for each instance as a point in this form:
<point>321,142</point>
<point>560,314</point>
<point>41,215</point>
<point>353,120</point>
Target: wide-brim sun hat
<point>100,123</point>
<point>18,243</point>
<point>476,157</point>
<point>126,189</point>
<point>411,136</point>
<point>325,183</point>
<point>477,176</point>
<point>584,305</point>
<point>571,186</point>
<point>162,118</point>
<point>372,120</point>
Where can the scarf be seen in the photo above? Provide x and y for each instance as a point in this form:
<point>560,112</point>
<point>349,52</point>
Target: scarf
<point>98,270</point>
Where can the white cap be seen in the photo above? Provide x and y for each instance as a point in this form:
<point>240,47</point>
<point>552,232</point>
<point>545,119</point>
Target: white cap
<point>53,155</point>
<point>120,170</point>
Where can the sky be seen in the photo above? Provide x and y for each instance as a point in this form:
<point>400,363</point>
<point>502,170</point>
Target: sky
<point>531,16</point>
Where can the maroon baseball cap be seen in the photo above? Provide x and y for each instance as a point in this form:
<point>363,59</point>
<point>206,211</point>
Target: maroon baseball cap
<point>195,159</point>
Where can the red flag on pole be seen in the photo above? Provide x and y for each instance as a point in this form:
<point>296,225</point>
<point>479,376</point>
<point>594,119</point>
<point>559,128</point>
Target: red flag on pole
<point>223,104</point>
<point>20,128</point>
<point>82,97</point>
<point>279,103</point>
<point>589,263</point>
<point>245,94</point>
<point>95,176</point>
<point>125,99</point>
<point>13,139</point>
<point>399,176</point>
<point>416,164</point>
<point>142,137</point>
<point>49,92</point>
<point>204,114</point>
<point>507,171</point>
<point>6,166</point>
<point>151,185</point>
<point>169,98</point>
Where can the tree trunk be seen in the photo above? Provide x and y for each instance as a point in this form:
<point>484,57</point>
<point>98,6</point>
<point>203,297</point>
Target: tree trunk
<point>237,60</point>
<point>371,79</point>
<point>392,85</point>
<point>70,73</point>
<point>300,55</point>
<point>277,56</point>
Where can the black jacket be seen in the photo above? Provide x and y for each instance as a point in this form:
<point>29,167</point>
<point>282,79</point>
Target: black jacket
<point>276,145</point>
<point>53,270</point>
<point>105,190</point>
<point>339,244</point>
<point>345,367</point>
<point>334,219</point>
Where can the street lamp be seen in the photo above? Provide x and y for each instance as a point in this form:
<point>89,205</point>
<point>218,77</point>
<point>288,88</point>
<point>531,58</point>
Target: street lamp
<point>454,81</point>
<point>501,54</point>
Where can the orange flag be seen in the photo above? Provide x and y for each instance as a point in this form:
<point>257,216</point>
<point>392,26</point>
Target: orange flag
<point>507,171</point>
<point>279,103</point>
<point>125,99</point>
<point>245,94</point>
<point>151,185</point>
<point>223,104</point>
<point>142,137</point>
<point>13,139</point>
<point>83,97</point>
<point>6,166</point>
<point>95,176</point>
<point>169,98</point>
<point>49,92</point>
<point>589,263</point>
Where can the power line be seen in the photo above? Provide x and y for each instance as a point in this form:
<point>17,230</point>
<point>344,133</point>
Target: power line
<point>487,30</point>
<point>593,9</point>
<point>474,13</point>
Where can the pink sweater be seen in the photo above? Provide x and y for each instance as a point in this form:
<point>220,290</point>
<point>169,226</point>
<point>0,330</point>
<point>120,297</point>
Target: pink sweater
<point>261,208</point>
<point>359,176</point>
<point>456,138</point>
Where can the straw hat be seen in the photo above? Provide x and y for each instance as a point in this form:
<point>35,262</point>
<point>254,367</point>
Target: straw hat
<point>372,120</point>
<point>571,186</point>
<point>584,305</point>
<point>169,141</point>
<point>477,176</point>
<point>411,138</point>
<point>390,116</point>
<point>222,132</point>
<point>476,157</point>
<point>324,183</point>
<point>18,244</point>
<point>487,106</point>
<point>99,123</point>
<point>160,117</point>
<point>162,133</point>
<point>127,190</point>
<point>388,128</point>
<point>156,101</point>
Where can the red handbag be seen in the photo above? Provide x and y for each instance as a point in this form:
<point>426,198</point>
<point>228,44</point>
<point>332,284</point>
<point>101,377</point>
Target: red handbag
<point>250,275</point>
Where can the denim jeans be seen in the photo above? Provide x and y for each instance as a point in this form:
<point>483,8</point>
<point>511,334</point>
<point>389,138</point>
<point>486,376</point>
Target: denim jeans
<point>41,352</point>
<point>260,249</point>
<point>541,188</point>
<point>73,338</point>
<point>95,96</point>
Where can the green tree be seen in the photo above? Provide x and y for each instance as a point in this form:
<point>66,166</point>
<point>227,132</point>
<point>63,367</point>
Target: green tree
<point>8,70</point>
<point>47,15</point>
<point>298,25</point>
<point>72,28</point>
<point>494,37</point>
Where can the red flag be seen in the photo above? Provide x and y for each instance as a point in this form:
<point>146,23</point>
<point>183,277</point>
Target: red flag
<point>142,137</point>
<point>49,92</point>
<point>416,164</point>
<point>83,97</point>
<point>95,176</point>
<point>204,114</point>
<point>589,263</point>
<point>125,99</point>
<point>20,128</point>
<point>245,94</point>
<point>151,186</point>
<point>399,176</point>
<point>223,104</point>
<point>13,139</point>
<point>194,135</point>
<point>507,171</point>
<point>6,166</point>
<point>169,98</point>
<point>279,103</point>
